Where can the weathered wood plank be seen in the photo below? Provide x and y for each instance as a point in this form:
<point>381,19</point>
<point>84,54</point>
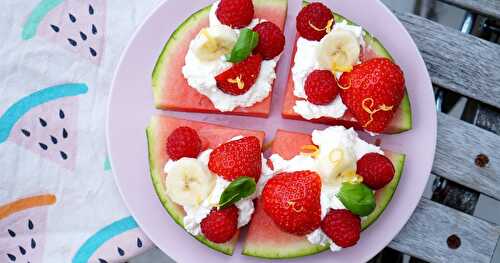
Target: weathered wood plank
<point>458,146</point>
<point>488,118</point>
<point>456,61</point>
<point>426,233</point>
<point>489,8</point>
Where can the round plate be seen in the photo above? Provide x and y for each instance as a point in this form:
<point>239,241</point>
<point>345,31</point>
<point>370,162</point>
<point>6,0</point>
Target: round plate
<point>131,107</point>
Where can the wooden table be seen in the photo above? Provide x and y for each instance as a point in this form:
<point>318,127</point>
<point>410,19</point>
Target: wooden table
<point>467,156</point>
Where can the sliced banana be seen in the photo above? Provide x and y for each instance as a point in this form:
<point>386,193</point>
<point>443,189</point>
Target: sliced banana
<point>213,42</point>
<point>338,51</point>
<point>189,182</point>
<point>334,163</point>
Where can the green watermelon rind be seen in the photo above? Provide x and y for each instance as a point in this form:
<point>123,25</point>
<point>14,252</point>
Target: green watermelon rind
<point>173,210</point>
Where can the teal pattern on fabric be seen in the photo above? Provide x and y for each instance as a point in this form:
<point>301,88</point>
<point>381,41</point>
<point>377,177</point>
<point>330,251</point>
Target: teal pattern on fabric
<point>18,109</point>
<point>41,10</point>
<point>98,239</point>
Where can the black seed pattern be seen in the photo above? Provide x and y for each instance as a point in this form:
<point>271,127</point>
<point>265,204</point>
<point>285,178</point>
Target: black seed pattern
<point>65,133</point>
<point>102,261</point>
<point>72,42</point>
<point>26,133</point>
<point>55,28</point>
<point>94,29</point>
<point>42,122</point>
<point>61,114</point>
<point>11,257</point>
<point>91,10</point>
<point>72,18</point>
<point>43,146</point>
<point>30,224</point>
<point>93,52</point>
<point>139,243</point>
<point>53,139</point>
<point>22,250</point>
<point>83,36</point>
<point>63,155</point>
<point>11,233</point>
<point>120,251</point>
<point>33,243</point>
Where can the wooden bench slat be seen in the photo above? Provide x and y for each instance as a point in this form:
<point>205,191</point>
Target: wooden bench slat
<point>489,8</point>
<point>463,63</point>
<point>426,233</point>
<point>458,145</point>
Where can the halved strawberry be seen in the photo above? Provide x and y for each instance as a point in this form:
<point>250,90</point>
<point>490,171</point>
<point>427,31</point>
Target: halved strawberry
<point>240,77</point>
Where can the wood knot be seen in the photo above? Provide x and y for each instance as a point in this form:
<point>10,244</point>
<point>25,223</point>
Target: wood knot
<point>453,242</point>
<point>481,160</point>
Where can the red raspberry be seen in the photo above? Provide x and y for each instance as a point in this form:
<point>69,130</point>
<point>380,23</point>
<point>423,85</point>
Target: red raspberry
<point>292,201</point>
<point>238,158</point>
<point>342,227</point>
<point>238,79</point>
<point>183,142</point>
<point>220,225</point>
<point>235,13</point>
<point>313,21</point>
<point>271,40</point>
<point>377,170</point>
<point>321,87</point>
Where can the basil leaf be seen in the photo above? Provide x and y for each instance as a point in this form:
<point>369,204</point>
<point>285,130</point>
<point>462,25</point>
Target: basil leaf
<point>238,189</point>
<point>247,41</point>
<point>358,198</point>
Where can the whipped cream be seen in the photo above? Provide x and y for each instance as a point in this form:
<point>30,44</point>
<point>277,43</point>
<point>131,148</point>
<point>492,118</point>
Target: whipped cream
<point>200,75</point>
<point>305,62</point>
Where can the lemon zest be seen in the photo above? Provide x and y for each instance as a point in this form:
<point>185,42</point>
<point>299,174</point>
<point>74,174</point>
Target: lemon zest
<point>327,28</point>
<point>292,205</point>
<point>238,81</point>
<point>368,109</point>
<point>313,150</point>
<point>340,85</point>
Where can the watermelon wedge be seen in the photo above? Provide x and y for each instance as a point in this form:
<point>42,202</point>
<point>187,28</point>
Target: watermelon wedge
<point>266,240</point>
<point>402,120</point>
<point>171,90</point>
<point>212,136</point>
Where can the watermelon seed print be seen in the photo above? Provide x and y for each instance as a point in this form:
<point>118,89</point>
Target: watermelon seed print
<point>42,121</point>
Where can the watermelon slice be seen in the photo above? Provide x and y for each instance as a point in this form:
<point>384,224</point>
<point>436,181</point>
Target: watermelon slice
<point>266,240</point>
<point>402,120</point>
<point>212,135</point>
<point>115,242</point>
<point>45,122</point>
<point>170,88</point>
<point>22,228</point>
<point>77,25</point>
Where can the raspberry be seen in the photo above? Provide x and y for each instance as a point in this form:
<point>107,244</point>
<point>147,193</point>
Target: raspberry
<point>220,225</point>
<point>314,21</point>
<point>342,227</point>
<point>238,158</point>
<point>235,13</point>
<point>377,170</point>
<point>238,79</point>
<point>321,87</point>
<point>183,142</point>
<point>271,40</point>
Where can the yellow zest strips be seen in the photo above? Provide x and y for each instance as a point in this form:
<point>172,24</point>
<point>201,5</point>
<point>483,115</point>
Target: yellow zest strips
<point>341,68</point>
<point>343,87</point>
<point>292,205</point>
<point>313,150</point>
<point>327,28</point>
<point>368,109</point>
<point>238,81</point>
<point>351,177</point>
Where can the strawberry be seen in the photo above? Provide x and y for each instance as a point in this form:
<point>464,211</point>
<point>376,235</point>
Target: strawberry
<point>314,21</point>
<point>271,40</point>
<point>220,225</point>
<point>183,142</point>
<point>342,227</point>
<point>377,170</point>
<point>237,158</point>
<point>292,201</point>
<point>235,13</point>
<point>240,77</point>
<point>321,87</point>
<point>374,90</point>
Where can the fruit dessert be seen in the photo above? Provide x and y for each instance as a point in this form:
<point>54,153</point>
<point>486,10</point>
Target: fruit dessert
<point>324,190</point>
<point>222,59</point>
<point>206,177</point>
<point>342,75</point>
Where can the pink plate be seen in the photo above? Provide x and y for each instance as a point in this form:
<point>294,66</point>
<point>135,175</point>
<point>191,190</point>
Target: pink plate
<point>131,107</point>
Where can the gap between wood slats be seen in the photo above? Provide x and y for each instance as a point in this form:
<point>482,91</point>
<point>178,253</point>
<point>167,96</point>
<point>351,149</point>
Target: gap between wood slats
<point>490,8</point>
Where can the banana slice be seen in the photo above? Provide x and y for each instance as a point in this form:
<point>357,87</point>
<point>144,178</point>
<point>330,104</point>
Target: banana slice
<point>188,182</point>
<point>213,42</point>
<point>335,163</point>
<point>338,51</point>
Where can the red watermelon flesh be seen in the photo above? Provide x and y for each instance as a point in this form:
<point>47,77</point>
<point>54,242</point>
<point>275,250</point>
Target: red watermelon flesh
<point>170,88</point>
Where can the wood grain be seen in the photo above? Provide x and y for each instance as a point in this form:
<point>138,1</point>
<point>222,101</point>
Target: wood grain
<point>426,233</point>
<point>456,61</point>
<point>489,8</point>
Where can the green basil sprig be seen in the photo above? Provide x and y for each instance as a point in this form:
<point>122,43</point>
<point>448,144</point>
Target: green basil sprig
<point>238,189</point>
<point>247,41</point>
<point>358,198</point>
